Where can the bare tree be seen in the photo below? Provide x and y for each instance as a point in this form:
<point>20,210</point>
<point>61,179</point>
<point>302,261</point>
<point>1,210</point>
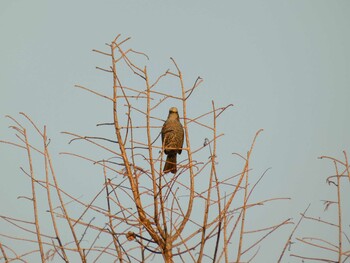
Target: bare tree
<point>198,214</point>
<point>326,249</point>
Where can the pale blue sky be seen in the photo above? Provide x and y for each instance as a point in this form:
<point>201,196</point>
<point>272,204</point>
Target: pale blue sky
<point>285,65</point>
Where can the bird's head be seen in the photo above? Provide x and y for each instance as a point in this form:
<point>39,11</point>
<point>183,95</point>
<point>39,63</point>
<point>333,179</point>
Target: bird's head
<point>173,110</point>
<point>173,113</point>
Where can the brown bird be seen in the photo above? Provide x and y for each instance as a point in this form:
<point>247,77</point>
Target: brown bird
<point>172,140</point>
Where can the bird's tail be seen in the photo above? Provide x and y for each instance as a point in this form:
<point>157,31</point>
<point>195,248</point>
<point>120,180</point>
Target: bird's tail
<point>170,164</point>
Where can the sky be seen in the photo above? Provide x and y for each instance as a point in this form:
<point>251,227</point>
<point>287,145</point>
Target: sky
<point>283,64</point>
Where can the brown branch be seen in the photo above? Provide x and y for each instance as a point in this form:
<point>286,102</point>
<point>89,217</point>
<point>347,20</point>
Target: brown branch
<point>189,154</point>
<point>340,229</point>
<point>207,200</point>
<point>315,259</point>
<point>3,253</point>
<point>94,92</point>
<point>274,228</point>
<point>151,161</point>
<point>133,183</point>
<point>34,199</point>
<point>289,240</point>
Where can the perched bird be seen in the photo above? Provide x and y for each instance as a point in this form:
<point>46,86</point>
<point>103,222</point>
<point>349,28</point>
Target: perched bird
<point>172,140</point>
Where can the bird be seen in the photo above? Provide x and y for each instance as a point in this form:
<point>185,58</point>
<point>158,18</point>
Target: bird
<point>172,140</point>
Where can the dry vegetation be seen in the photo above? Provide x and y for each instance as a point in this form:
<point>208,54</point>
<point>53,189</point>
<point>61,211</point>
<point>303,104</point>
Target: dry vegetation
<point>139,214</point>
